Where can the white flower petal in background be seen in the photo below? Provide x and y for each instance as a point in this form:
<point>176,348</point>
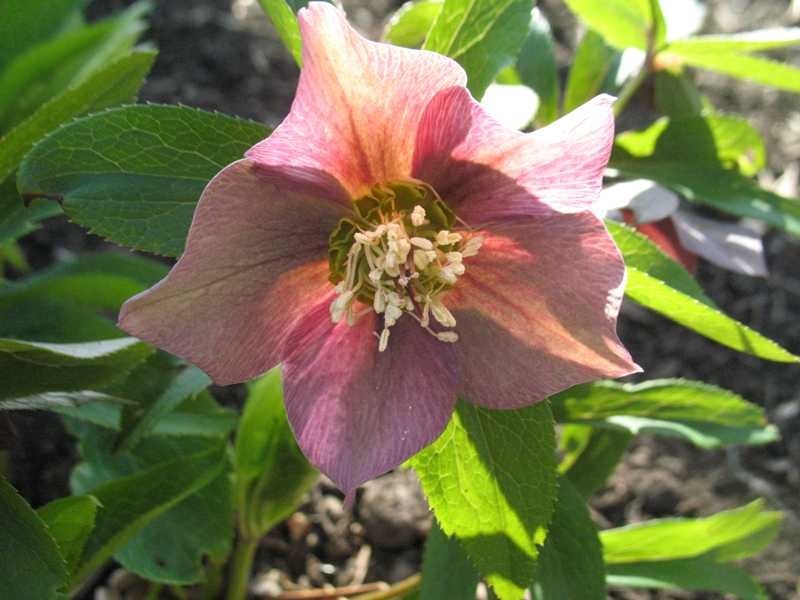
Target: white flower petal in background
<point>727,245</point>
<point>684,18</point>
<point>648,200</point>
<point>513,105</point>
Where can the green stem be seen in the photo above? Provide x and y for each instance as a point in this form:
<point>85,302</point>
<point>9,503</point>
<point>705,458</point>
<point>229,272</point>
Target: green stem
<point>154,591</point>
<point>241,567</point>
<point>213,582</point>
<point>630,88</point>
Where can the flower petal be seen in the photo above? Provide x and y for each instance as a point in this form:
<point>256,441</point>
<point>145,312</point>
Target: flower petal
<point>358,104</point>
<point>537,309</point>
<point>357,412</point>
<point>727,245</point>
<point>486,172</point>
<point>255,259</point>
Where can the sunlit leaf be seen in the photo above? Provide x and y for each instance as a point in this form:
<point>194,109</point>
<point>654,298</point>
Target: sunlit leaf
<point>410,24</point>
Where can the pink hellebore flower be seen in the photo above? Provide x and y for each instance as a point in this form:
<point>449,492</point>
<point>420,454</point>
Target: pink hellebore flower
<point>394,248</point>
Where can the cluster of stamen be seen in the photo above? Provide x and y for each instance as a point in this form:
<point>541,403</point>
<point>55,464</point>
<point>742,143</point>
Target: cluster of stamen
<point>399,262</point>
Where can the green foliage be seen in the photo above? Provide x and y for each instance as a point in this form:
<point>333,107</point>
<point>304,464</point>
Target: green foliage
<point>285,23</point>
<point>591,455</point>
<point>70,521</point>
<point>32,567</point>
<point>571,561</point>
<point>116,83</point>
<point>536,68</point>
<point>662,285</point>
<point>271,473</point>
<point>446,570</point>
<point>134,174</point>
<point>623,23</point>
<point>482,35</point>
<point>29,368</point>
<point>704,414</point>
<point>410,24</point>
<point>490,480</point>
<point>677,96</point>
<point>593,62</point>
<point>152,518</point>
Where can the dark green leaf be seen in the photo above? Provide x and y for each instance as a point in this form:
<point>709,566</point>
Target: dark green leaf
<point>32,567</point>
<point>571,561</point>
<point>536,67</point>
<point>272,475</point>
<point>677,96</point>
<point>28,368</point>
<point>490,479</point>
<point>706,415</point>
<point>116,83</point>
<point>593,61</point>
<point>409,26</point>
<point>70,521</point>
<point>446,570</point>
<point>17,220</point>
<point>134,174</point>
<point>591,455</point>
<point>482,35</point>
<point>662,285</point>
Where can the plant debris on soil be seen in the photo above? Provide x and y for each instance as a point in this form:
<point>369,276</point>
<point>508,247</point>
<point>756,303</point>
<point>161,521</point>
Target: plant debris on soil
<point>223,55</point>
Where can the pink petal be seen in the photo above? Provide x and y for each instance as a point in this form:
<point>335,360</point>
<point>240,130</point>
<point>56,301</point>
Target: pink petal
<point>487,172</point>
<point>537,309</point>
<point>357,412</point>
<point>358,104</point>
<point>727,245</point>
<point>255,259</point>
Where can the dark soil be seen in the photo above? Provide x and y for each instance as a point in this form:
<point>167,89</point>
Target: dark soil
<point>222,55</point>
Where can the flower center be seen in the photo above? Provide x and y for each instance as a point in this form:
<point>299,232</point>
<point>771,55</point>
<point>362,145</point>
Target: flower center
<point>398,255</point>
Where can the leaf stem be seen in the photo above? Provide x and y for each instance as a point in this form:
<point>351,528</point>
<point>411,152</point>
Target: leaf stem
<point>631,87</point>
<point>242,565</point>
<point>398,590</point>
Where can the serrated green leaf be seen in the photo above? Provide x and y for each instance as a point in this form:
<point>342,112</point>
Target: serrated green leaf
<point>623,23</point>
<point>50,67</point>
<point>571,562</point>
<point>660,284</point>
<point>712,141</point>
<point>32,567</point>
<point>116,83</point>
<point>410,24</point>
<point>24,23</point>
<point>28,368</point>
<point>704,414</point>
<point>70,521</point>
<point>446,570</point>
<point>490,479</point>
<point>697,574</point>
<point>59,400</point>
<point>725,536</point>
<point>757,69</point>
<point>272,475</point>
<point>536,67</point>
<point>483,36</point>
<point>591,455</point>
<point>132,502</point>
<point>16,219</point>
<point>134,174</point>
<point>747,41</point>
<point>593,61</point>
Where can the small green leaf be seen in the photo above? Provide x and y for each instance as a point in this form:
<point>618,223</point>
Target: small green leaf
<point>593,61</point>
<point>591,455</point>
<point>446,570</point>
<point>134,174</point>
<point>272,475</point>
<point>662,285</point>
<point>285,23</point>
<point>490,479</point>
<point>571,560</point>
<point>70,521</point>
<point>32,567</point>
<point>116,83</point>
<point>132,502</point>
<point>16,219</point>
<point>482,35</point>
<point>677,96</point>
<point>28,368</point>
<point>706,415</point>
<point>536,67</point>
<point>623,23</point>
<point>757,69</point>
<point>697,574</point>
<point>725,536</point>
<point>748,41</point>
<point>410,24</point>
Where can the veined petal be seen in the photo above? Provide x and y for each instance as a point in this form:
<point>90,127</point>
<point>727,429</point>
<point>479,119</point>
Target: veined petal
<point>537,310</point>
<point>255,259</point>
<point>357,412</point>
<point>486,172</point>
<point>358,104</point>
